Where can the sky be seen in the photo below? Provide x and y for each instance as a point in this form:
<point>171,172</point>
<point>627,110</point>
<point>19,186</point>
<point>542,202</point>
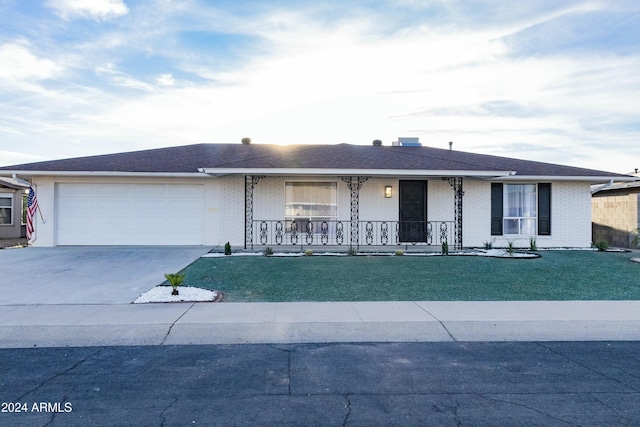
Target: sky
<point>556,81</point>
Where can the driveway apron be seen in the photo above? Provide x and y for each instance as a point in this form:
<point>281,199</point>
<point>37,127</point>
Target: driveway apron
<point>87,275</point>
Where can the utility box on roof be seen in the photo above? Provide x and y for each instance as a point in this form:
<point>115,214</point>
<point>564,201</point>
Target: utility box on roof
<point>407,142</point>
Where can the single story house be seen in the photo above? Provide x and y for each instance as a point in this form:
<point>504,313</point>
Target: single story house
<point>12,192</point>
<point>258,196</point>
<point>616,213</point>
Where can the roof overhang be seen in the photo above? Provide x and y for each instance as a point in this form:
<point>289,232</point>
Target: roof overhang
<point>218,172</point>
<point>354,172</point>
<point>28,173</point>
<point>14,183</point>
<point>590,179</point>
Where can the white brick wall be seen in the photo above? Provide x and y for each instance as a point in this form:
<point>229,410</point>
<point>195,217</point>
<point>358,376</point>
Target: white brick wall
<point>440,201</point>
<point>476,212</point>
<point>268,199</point>
<point>570,216</point>
<point>225,211</point>
<point>373,205</point>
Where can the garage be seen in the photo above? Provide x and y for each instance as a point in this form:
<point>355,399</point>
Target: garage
<point>129,214</point>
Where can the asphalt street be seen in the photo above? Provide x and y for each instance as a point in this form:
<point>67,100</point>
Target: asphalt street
<point>338,384</point>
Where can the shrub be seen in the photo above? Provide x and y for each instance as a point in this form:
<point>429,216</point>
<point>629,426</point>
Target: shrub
<point>268,251</point>
<point>175,280</point>
<point>351,252</point>
<point>445,248</point>
<point>602,245</point>
<point>308,252</point>
<point>532,244</point>
<point>488,245</point>
<point>399,252</point>
<point>227,249</point>
<point>511,248</point>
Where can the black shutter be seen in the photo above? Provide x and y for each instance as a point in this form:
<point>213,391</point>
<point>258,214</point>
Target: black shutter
<point>496,209</point>
<point>544,209</point>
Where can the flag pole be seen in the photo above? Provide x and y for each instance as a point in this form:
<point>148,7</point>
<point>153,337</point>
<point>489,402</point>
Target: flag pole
<point>41,217</point>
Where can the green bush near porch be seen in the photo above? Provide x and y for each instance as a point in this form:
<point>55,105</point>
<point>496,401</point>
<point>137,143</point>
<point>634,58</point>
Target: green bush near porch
<point>557,275</point>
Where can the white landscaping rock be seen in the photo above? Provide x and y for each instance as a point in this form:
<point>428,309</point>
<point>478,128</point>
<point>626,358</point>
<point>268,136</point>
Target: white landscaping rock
<point>187,294</point>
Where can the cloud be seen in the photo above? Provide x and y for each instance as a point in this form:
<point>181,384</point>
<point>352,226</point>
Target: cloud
<point>15,158</point>
<point>121,79</point>
<point>188,71</point>
<point>21,69</point>
<point>166,80</point>
<point>93,9</point>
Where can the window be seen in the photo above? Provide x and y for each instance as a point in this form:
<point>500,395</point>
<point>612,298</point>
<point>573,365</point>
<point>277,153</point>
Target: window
<point>521,209</point>
<point>6,209</point>
<point>311,202</point>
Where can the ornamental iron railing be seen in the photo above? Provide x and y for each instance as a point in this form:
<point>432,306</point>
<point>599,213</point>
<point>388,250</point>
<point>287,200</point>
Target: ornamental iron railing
<point>302,233</point>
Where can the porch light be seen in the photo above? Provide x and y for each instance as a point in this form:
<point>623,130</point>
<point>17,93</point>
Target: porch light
<point>387,192</point>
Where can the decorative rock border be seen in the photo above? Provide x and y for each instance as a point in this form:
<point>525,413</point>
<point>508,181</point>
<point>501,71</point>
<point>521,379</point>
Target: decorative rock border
<point>490,253</point>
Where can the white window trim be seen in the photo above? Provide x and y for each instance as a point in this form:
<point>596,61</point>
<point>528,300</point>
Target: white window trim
<point>519,218</point>
<point>11,207</point>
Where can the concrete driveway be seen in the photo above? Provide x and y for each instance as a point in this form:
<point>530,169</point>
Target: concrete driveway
<point>87,275</point>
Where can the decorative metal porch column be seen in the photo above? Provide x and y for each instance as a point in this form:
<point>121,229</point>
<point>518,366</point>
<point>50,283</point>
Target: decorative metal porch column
<point>355,184</point>
<point>456,183</point>
<point>250,182</point>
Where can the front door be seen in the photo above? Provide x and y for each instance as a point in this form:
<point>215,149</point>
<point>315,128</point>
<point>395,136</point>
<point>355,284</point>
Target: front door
<point>413,211</point>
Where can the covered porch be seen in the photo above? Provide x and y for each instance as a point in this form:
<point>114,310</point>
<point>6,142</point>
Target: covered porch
<point>394,216</point>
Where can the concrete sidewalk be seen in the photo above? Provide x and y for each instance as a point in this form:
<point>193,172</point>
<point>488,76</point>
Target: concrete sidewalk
<point>235,323</point>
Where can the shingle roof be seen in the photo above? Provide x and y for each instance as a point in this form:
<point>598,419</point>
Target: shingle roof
<point>191,158</point>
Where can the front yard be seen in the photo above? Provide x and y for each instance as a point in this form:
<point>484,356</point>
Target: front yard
<point>557,275</point>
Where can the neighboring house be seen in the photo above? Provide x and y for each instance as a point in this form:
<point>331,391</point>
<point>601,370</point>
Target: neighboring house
<point>616,213</point>
<point>255,196</point>
<point>11,194</point>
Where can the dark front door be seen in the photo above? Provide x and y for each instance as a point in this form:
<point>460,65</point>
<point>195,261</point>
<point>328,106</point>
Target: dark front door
<point>413,211</point>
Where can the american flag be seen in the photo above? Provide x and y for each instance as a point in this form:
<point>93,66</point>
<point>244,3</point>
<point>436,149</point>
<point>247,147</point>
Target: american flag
<point>32,207</point>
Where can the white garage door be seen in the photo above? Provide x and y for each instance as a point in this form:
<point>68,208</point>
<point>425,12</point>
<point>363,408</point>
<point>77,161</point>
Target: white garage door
<point>129,214</point>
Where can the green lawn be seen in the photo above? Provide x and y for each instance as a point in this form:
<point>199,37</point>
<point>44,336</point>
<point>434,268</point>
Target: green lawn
<point>557,275</point>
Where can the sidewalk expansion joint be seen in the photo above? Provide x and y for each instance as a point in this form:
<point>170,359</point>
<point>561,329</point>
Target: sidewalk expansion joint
<point>176,321</point>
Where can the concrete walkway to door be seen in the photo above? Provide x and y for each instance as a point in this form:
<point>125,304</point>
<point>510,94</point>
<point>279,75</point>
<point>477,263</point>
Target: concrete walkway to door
<point>87,275</point>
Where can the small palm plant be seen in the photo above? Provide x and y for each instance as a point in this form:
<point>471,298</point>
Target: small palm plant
<point>175,280</point>
<point>636,240</point>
